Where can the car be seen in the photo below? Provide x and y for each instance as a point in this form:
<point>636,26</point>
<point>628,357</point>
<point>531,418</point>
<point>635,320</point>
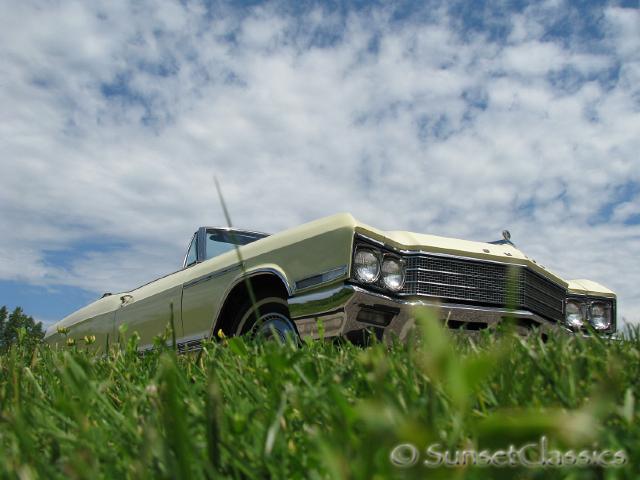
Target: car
<point>337,277</point>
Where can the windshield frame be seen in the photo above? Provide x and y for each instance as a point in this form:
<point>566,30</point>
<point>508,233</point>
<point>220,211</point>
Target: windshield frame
<point>201,240</point>
<point>194,240</point>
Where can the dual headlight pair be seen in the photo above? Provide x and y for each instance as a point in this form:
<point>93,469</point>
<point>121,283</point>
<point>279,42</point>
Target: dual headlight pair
<point>597,313</point>
<point>372,266</point>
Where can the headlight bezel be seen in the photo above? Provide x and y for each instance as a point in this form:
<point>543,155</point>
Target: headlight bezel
<point>581,311</point>
<point>389,257</point>
<point>383,255</point>
<point>608,315</point>
<point>586,304</point>
<point>377,255</point>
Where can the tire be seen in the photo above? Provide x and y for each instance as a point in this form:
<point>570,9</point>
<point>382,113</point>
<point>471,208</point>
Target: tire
<point>272,321</point>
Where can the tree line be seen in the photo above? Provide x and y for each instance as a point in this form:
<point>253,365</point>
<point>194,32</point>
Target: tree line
<point>18,327</point>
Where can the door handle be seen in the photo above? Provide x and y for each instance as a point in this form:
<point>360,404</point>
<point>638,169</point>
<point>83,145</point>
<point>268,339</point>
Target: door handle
<point>126,299</point>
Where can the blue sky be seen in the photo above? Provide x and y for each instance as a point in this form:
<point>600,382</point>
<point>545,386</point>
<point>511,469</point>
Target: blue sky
<point>450,118</point>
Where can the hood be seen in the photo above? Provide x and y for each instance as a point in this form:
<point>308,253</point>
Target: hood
<point>589,287</point>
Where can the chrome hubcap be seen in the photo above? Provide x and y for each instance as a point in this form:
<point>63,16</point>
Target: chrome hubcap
<point>274,326</point>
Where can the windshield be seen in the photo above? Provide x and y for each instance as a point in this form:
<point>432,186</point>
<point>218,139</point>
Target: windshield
<point>221,241</point>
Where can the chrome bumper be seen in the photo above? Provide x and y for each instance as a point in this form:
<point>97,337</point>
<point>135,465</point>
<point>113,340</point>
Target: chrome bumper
<point>348,310</point>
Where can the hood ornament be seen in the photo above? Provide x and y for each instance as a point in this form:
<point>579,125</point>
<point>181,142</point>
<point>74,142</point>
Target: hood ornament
<point>506,239</point>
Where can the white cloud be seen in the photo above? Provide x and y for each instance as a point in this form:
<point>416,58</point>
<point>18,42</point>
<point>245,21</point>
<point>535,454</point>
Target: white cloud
<point>533,58</point>
<point>408,126</point>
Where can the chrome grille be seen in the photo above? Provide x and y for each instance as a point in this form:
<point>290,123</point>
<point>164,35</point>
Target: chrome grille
<point>542,296</point>
<point>483,282</point>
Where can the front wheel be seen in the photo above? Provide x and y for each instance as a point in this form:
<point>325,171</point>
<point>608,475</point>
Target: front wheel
<point>267,319</point>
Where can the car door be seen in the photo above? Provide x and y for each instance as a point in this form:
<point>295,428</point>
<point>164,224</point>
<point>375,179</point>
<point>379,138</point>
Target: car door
<point>150,309</point>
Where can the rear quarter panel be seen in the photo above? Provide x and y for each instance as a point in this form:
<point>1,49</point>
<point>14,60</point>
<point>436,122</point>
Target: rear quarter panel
<point>96,319</point>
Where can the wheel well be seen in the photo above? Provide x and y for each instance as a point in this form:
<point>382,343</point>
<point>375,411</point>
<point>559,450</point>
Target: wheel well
<point>263,284</point>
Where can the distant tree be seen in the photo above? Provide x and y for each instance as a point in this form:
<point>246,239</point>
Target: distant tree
<point>11,326</point>
<point>4,313</point>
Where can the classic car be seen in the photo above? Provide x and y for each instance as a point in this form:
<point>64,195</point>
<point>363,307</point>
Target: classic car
<point>337,277</point>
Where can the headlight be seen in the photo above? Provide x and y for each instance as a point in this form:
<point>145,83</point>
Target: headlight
<point>600,315</point>
<point>574,316</point>
<point>392,273</point>
<point>366,265</point>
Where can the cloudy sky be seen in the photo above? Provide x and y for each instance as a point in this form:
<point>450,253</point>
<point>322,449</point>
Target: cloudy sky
<point>450,118</point>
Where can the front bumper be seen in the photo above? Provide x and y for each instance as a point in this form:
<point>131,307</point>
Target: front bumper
<point>347,310</point>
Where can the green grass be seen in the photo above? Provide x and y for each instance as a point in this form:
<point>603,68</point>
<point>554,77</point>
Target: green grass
<point>241,410</point>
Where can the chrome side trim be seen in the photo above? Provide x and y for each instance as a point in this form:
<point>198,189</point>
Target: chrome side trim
<point>321,278</point>
<point>183,344</point>
<point>192,338</point>
<point>211,275</point>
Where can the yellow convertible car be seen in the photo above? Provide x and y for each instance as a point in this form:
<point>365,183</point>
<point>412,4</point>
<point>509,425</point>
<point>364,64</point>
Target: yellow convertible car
<point>338,277</point>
